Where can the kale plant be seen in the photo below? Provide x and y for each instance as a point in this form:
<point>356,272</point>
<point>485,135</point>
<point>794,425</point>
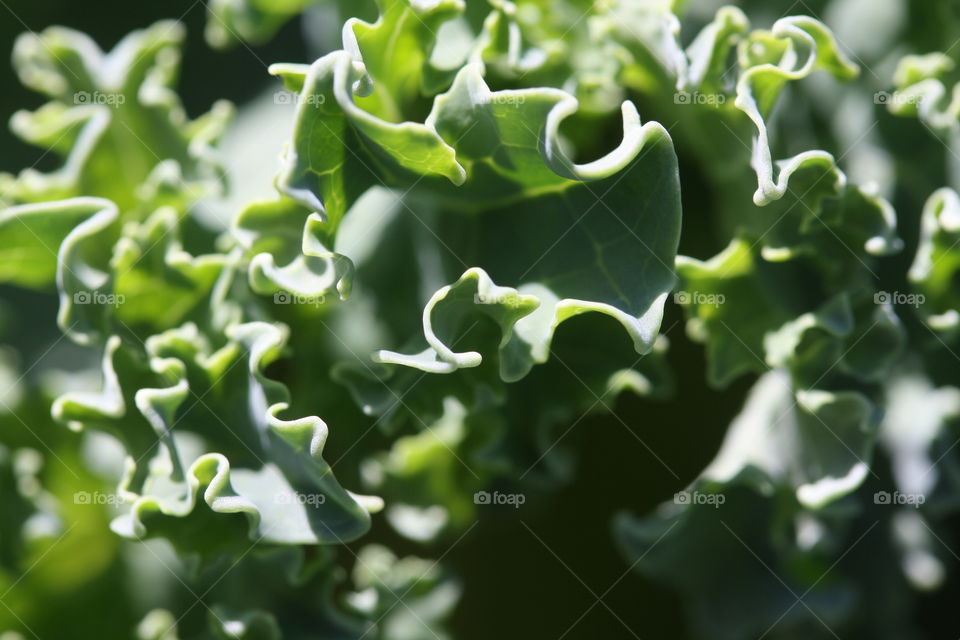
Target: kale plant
<point>536,318</point>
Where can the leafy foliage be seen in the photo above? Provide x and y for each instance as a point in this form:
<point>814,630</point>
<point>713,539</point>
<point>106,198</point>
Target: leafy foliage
<point>487,221</point>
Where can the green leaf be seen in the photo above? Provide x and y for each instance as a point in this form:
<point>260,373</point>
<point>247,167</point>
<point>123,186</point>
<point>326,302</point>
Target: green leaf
<point>115,117</point>
<point>818,443</point>
<point>253,625</point>
<point>285,232</point>
<point>506,146</point>
<point>158,284</point>
<point>753,314</point>
<point>408,598</point>
<point>696,549</point>
<point>213,434</point>
<point>770,59</point>
<point>937,263</point>
<point>920,92</point>
<point>254,21</point>
<point>32,238</point>
<point>71,239</point>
